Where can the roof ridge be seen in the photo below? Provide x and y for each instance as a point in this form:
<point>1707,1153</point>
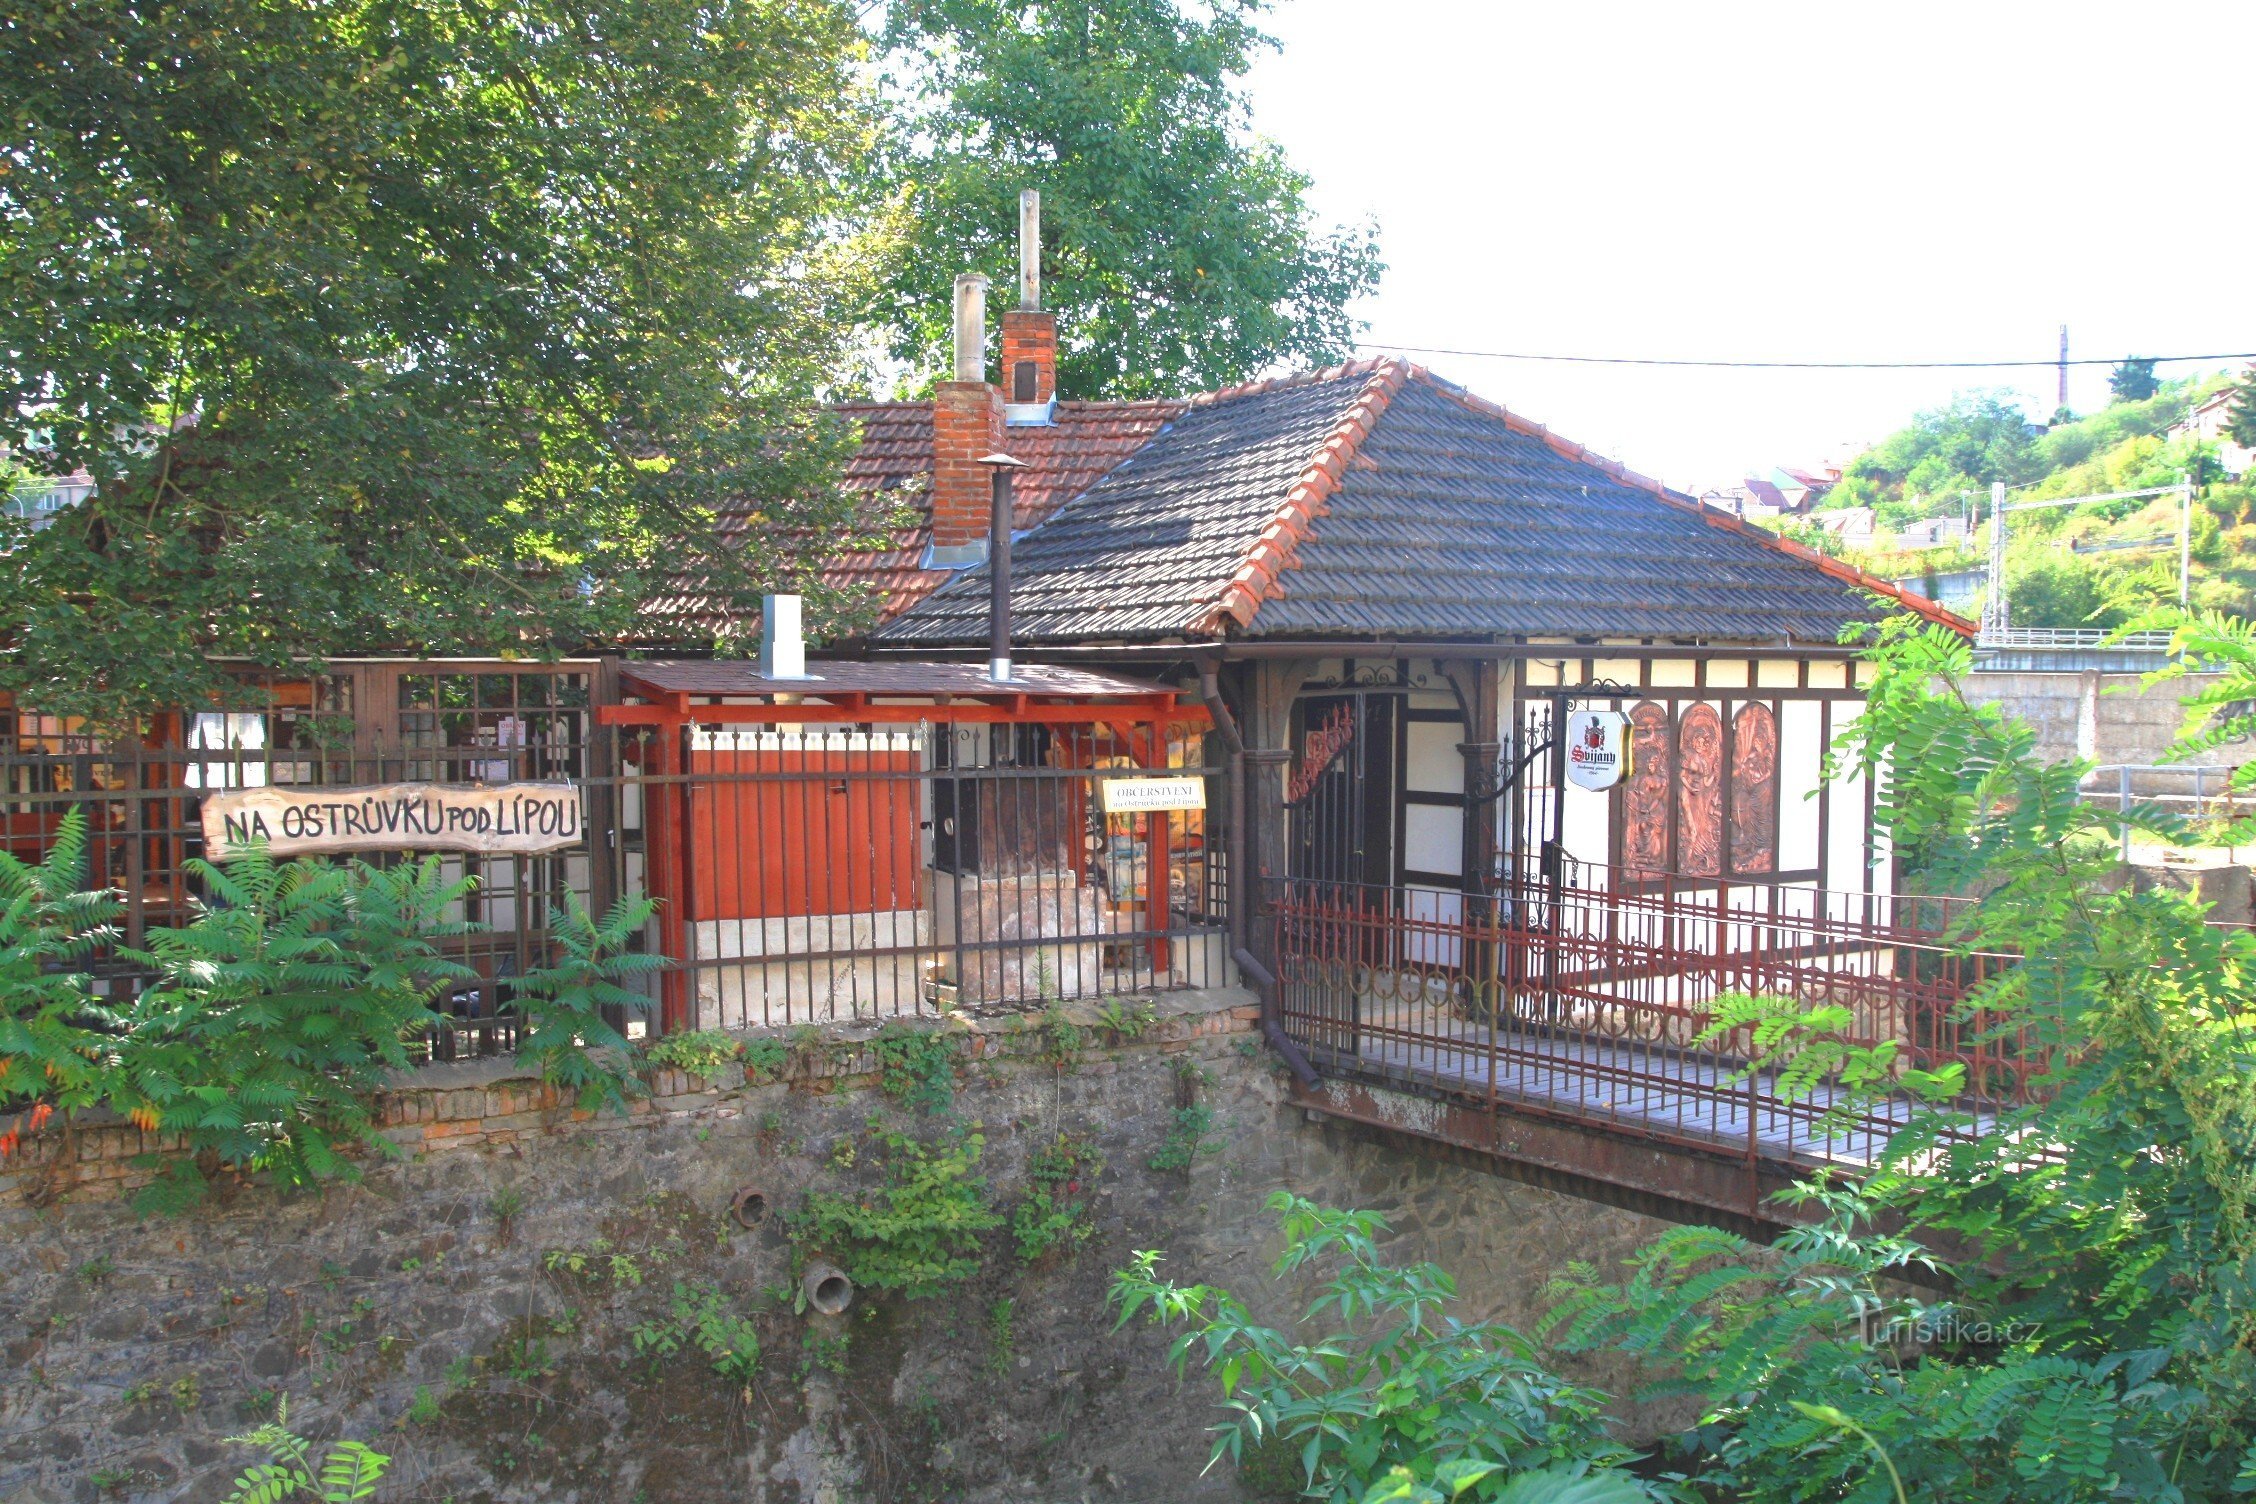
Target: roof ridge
<point>1273,549</point>
<point>1668,495</point>
<point>1344,371</point>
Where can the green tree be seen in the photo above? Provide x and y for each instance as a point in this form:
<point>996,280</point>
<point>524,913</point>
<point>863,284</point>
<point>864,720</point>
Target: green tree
<point>1178,251</point>
<point>2240,423</point>
<point>2049,589</point>
<point>2095,1344</point>
<point>411,324</point>
<point>2132,381</point>
<point>1960,447</point>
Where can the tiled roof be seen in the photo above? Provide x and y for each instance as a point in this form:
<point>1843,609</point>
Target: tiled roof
<point>894,464</point>
<point>1164,531</point>
<point>1376,500</point>
<point>892,468</point>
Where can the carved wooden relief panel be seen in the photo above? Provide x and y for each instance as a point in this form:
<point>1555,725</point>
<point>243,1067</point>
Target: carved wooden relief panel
<point>1699,795</point>
<point>1645,794</point>
<point>1754,790</point>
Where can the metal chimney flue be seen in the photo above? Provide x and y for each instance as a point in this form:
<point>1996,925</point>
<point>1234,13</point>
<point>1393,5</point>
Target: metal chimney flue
<point>783,643</point>
<point>971,326</point>
<point>1030,248</point>
<point>1000,467</point>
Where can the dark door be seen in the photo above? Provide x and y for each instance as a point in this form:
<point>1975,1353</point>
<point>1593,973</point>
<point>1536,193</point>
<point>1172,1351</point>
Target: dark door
<point>1340,811</point>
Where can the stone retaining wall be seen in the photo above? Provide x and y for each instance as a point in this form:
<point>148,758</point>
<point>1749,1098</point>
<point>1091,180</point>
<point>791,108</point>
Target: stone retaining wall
<point>472,1307</point>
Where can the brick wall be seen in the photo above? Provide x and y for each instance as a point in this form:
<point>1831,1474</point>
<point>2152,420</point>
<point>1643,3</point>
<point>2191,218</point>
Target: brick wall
<point>1030,338</point>
<point>434,1111</point>
<point>967,422</point>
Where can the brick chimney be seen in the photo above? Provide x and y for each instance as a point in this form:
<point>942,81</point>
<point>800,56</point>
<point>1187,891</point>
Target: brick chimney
<point>1029,333</point>
<point>967,422</point>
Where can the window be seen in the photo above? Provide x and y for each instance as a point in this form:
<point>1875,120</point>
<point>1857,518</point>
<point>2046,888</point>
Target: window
<point>534,721</point>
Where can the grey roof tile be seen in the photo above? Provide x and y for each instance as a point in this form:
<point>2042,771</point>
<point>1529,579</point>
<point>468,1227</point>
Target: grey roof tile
<point>1453,521</point>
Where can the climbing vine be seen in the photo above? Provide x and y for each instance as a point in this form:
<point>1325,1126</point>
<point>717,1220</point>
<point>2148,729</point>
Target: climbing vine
<point>916,1067</point>
<point>918,1231</point>
<point>1054,1216</point>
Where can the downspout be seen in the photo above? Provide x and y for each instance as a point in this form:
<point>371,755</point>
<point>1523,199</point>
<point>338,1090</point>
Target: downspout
<point>1241,885</point>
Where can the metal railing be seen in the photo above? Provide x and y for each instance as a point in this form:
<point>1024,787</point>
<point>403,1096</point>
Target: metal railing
<point>805,875</point>
<point>1590,1004</point>
<point>919,869</point>
<point>2199,791</point>
<point>2071,639</point>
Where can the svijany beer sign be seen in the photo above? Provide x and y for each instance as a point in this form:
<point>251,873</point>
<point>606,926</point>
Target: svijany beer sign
<point>1597,748</point>
<point>521,819</point>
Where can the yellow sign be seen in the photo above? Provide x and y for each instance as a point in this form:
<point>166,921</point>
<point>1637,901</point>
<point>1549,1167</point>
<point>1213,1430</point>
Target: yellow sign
<point>1135,796</point>
<point>522,819</point>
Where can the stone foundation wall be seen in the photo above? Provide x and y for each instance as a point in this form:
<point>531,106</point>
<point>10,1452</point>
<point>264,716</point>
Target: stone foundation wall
<point>472,1307</point>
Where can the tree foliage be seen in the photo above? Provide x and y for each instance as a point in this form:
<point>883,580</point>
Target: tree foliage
<point>2092,565</point>
<point>1178,251</point>
<point>411,324</point>
<point>2132,380</point>
<point>2097,1341</point>
<point>2240,423</point>
<point>1944,455</point>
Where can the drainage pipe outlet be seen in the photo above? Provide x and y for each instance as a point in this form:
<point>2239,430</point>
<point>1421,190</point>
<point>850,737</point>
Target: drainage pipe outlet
<point>829,1292</point>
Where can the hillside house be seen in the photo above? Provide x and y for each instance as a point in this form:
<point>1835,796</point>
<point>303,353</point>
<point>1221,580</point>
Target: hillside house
<point>2207,424</point>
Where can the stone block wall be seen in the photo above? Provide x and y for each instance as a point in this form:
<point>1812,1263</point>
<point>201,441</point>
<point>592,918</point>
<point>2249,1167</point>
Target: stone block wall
<point>2109,719</point>
<point>473,1306</point>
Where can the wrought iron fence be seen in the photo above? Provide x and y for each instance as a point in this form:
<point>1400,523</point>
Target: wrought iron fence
<point>855,873</point>
<point>804,874</point>
<point>1577,998</point>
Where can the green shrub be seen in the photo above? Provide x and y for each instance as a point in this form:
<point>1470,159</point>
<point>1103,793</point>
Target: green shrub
<point>764,1059</point>
<point>917,1233</point>
<point>568,1038</point>
<point>278,1010</point>
<point>1062,1039</point>
<point>2096,1343</point>
<point>1462,1409</point>
<point>271,1018</point>
<point>1126,1022</point>
<point>348,1472</point>
<point>51,1052</point>
<point>916,1067</point>
<point>1187,1141</point>
<point>700,1052</point>
<point>1055,1211</point>
<point>701,1315</point>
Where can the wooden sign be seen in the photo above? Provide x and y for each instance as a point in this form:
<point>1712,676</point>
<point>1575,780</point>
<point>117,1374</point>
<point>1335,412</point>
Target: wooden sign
<point>507,818</point>
<point>1597,748</point>
<point>1135,796</point>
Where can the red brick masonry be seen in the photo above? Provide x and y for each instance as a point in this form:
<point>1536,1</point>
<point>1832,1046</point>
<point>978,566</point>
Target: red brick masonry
<point>494,1103</point>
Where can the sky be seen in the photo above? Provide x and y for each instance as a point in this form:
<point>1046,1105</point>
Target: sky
<point>1809,181</point>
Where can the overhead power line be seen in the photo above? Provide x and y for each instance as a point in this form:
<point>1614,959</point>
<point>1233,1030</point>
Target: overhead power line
<point>1799,365</point>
